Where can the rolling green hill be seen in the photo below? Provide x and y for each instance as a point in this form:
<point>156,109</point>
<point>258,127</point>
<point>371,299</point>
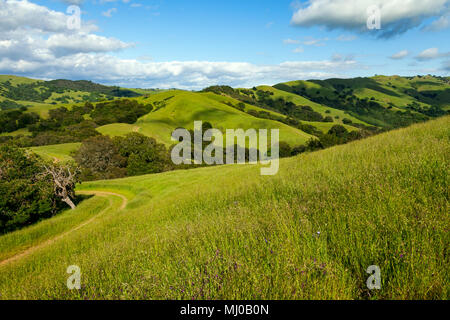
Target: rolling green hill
<point>337,115</point>
<point>226,232</point>
<point>48,93</point>
<point>364,98</point>
<point>300,109</point>
<point>182,108</point>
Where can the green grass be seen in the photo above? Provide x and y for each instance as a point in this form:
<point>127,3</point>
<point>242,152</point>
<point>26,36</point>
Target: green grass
<point>182,109</point>
<point>186,107</point>
<point>61,152</point>
<point>302,101</point>
<point>228,233</point>
<point>23,131</point>
<point>389,91</point>
<point>118,129</point>
<point>15,80</point>
<point>26,238</point>
<point>41,109</point>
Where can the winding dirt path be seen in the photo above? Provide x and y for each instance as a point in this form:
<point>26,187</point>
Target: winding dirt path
<point>56,238</point>
<point>105,193</point>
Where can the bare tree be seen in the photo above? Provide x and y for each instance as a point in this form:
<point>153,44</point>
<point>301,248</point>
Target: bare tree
<point>65,177</point>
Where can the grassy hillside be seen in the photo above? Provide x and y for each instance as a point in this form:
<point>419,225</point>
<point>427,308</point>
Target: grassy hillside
<point>60,152</point>
<point>15,80</point>
<point>337,115</point>
<point>387,102</point>
<point>118,129</point>
<point>226,232</point>
<point>180,109</point>
<point>49,93</point>
<point>431,90</point>
<point>394,91</point>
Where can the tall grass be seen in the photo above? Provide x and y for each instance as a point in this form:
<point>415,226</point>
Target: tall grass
<point>228,233</point>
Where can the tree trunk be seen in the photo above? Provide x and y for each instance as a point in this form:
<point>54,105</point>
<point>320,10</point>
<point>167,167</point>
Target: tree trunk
<point>69,202</point>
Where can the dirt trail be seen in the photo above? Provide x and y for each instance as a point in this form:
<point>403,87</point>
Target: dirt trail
<point>50,241</point>
<point>105,193</point>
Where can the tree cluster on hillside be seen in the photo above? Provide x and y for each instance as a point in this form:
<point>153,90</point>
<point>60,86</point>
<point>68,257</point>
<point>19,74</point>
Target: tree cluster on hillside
<point>40,91</point>
<point>88,86</point>
<point>365,109</point>
<point>28,191</point>
<point>12,120</point>
<point>10,104</point>
<point>64,125</point>
<point>265,100</point>
<point>102,157</point>
<point>122,111</point>
<point>25,91</point>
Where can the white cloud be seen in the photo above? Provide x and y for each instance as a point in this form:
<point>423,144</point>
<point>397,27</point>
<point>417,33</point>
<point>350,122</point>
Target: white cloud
<point>315,42</point>
<point>182,74</point>
<point>400,55</point>
<point>344,37</point>
<point>35,42</point>
<point>108,13</point>
<point>397,16</point>
<point>33,32</point>
<point>439,24</point>
<point>431,53</point>
<point>291,41</point>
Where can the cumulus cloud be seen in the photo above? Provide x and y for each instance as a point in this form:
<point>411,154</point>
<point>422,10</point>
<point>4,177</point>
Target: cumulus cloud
<point>315,42</point>
<point>430,54</point>
<point>181,74</point>
<point>35,42</point>
<point>439,24</point>
<point>397,16</point>
<point>291,41</point>
<point>108,13</point>
<point>33,32</point>
<point>400,55</point>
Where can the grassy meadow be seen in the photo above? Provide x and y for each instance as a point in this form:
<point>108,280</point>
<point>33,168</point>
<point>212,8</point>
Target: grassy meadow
<point>182,108</point>
<point>310,232</point>
<point>59,152</point>
<point>302,101</point>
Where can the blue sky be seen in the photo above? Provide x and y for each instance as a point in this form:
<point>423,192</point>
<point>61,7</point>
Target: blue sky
<point>192,44</point>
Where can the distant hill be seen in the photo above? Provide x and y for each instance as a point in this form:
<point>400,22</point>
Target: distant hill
<point>302,110</point>
<point>176,109</point>
<point>24,91</point>
<point>385,101</point>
